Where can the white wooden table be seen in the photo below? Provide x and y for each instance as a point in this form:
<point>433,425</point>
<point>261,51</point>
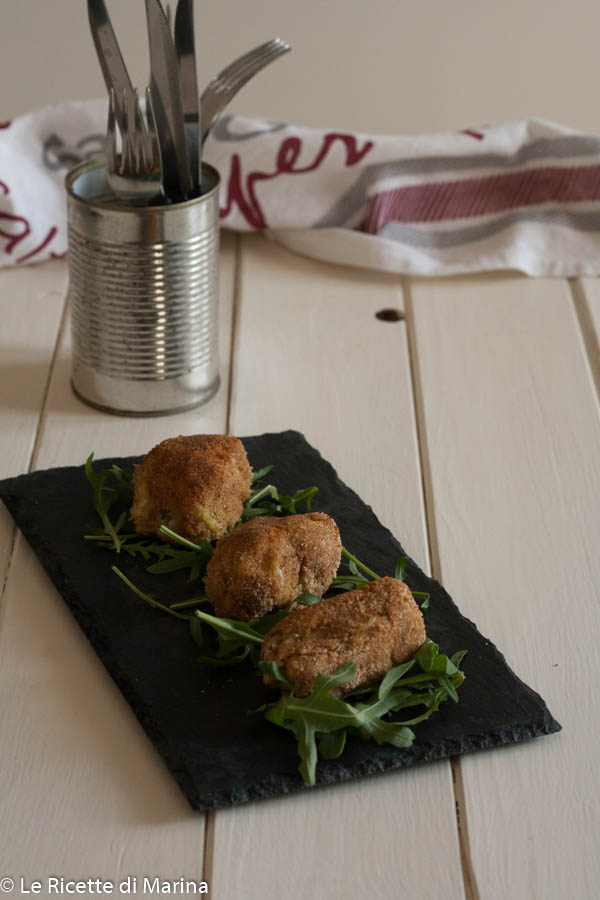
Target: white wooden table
<point>471,426</point>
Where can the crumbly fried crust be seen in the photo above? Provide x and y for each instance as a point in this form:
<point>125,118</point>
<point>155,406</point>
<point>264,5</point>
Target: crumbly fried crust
<point>265,563</point>
<point>195,485</point>
<point>377,626</point>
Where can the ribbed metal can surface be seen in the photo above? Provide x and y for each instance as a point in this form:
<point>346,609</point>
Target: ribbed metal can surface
<point>143,297</point>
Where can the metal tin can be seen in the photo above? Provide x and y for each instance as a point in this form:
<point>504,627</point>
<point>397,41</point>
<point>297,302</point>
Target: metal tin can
<point>143,297</point>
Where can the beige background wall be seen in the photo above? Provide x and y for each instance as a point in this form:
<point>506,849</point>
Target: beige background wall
<point>404,66</point>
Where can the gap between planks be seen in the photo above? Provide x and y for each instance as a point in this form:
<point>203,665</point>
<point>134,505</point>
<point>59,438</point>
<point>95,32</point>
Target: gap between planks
<point>208,853</point>
<point>587,330</point>
<point>36,443</point>
<point>469,881</point>
<point>42,417</point>
<point>235,315</point>
<point>209,849</point>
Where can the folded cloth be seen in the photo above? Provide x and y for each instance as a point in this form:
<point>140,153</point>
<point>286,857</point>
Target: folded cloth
<point>524,195</point>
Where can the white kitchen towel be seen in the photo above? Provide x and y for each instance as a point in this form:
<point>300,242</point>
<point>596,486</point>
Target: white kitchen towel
<point>523,195</point>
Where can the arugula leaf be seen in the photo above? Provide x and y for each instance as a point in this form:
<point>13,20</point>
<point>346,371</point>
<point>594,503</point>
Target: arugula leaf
<point>431,660</point>
<point>258,476</point>
<point>265,623</point>
<point>272,503</point>
<point>234,636</point>
<point>104,498</point>
<point>458,657</point>
<point>114,486</point>
<point>182,540</point>
<point>197,630</point>
<point>347,582</point>
<point>231,635</point>
<point>332,743</point>
<point>193,560</point>
<point>303,496</point>
<point>124,480</point>
<point>269,490</point>
<point>354,578</point>
<point>234,659</point>
<point>308,599</point>
<point>391,678</point>
<point>149,598</point>
<point>228,644</point>
<point>321,722</point>
<point>400,567</point>
<point>271,668</point>
<point>186,604</point>
<point>320,713</point>
<point>355,564</point>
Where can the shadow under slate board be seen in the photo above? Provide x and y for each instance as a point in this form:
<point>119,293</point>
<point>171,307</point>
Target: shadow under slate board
<point>197,716</point>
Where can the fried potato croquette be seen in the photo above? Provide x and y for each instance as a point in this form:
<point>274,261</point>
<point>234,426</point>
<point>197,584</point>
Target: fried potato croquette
<point>377,626</point>
<point>195,485</point>
<point>267,562</point>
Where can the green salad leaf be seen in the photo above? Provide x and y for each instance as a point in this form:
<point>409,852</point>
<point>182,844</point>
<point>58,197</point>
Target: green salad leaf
<point>321,722</point>
<point>109,486</point>
<point>113,489</point>
<point>267,501</point>
<point>268,667</point>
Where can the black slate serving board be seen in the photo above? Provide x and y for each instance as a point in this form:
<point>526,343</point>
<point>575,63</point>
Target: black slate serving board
<point>197,717</point>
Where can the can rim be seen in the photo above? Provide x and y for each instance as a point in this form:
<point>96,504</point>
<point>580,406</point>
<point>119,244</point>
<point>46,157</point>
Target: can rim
<point>97,162</point>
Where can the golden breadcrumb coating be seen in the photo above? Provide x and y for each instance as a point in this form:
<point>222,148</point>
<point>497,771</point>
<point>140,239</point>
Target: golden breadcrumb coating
<point>377,626</point>
<point>195,485</point>
<point>267,562</point>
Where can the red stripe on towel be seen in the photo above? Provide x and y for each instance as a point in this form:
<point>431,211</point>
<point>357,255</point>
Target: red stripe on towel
<point>481,196</point>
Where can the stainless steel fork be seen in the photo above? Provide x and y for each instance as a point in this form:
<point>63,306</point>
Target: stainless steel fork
<point>134,174</point>
<point>227,83</point>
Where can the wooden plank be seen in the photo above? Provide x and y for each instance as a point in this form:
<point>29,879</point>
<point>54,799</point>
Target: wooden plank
<point>31,304</point>
<point>513,438</point>
<point>83,791</point>
<point>311,355</point>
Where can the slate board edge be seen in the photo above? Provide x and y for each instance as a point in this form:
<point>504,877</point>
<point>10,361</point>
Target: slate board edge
<point>419,753</point>
<point>328,773</point>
